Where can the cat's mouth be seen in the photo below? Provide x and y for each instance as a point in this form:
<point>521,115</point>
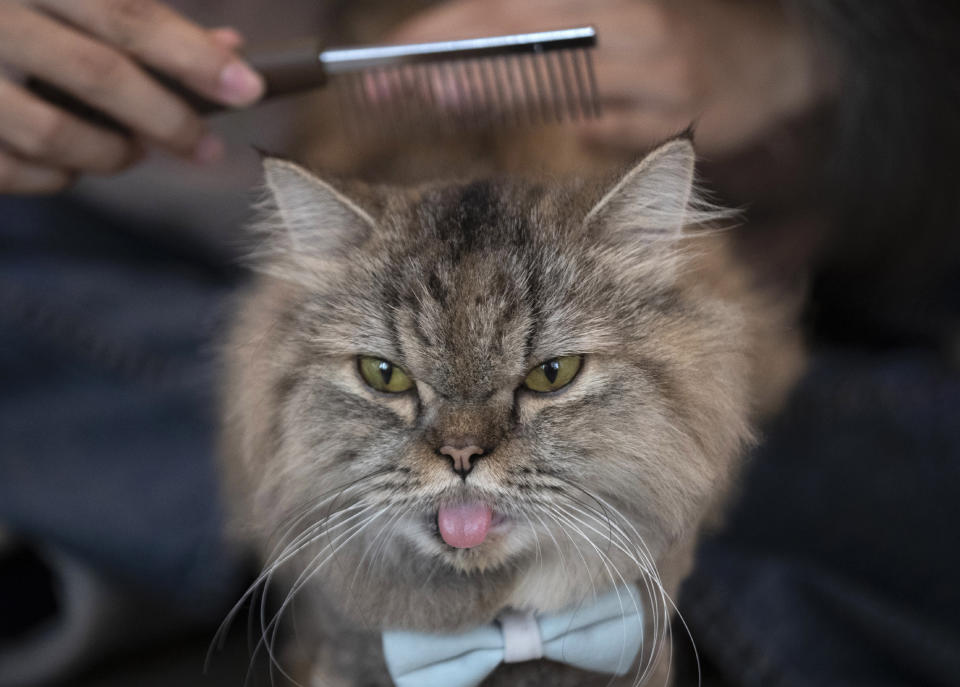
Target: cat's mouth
<point>466,525</point>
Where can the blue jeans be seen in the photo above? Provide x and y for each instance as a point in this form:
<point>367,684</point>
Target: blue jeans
<point>107,400</point>
<point>839,563</point>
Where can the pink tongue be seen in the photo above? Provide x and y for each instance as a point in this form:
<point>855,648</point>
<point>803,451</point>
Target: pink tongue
<point>464,526</point>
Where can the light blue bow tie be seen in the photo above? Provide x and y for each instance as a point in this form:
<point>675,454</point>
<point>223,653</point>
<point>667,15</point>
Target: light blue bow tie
<point>604,636</point>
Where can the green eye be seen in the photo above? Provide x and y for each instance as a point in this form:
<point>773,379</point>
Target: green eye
<point>383,375</point>
<point>553,374</point>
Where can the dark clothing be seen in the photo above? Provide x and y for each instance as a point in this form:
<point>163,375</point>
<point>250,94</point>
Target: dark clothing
<point>107,416</point>
<point>839,564</point>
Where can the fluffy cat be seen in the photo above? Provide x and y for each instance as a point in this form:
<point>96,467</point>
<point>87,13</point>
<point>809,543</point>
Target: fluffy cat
<point>448,400</point>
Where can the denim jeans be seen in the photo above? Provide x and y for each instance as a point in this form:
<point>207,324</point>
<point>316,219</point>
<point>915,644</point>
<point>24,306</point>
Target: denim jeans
<point>839,562</point>
<point>107,400</point>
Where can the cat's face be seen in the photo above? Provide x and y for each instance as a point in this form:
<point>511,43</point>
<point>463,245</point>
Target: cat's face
<point>478,378</point>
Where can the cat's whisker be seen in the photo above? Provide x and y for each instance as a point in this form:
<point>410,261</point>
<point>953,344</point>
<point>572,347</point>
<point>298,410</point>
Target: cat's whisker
<point>669,604</point>
<point>298,517</point>
<point>376,544</point>
<point>262,583</point>
<point>546,528</point>
<point>689,633</point>
<point>645,574</point>
<point>315,532</point>
<point>608,566</point>
<point>383,547</point>
<point>621,542</point>
<point>369,488</point>
<point>604,558</point>
<point>612,529</point>
<point>313,528</point>
<point>642,667</point>
<point>609,509</point>
<point>379,540</point>
<point>326,497</point>
<point>257,584</point>
<point>604,507</point>
<point>437,565</point>
<point>324,522</point>
<point>264,627</point>
<point>309,571</point>
<point>325,533</point>
<point>536,539</point>
<point>660,630</point>
<point>592,576</point>
<point>650,578</point>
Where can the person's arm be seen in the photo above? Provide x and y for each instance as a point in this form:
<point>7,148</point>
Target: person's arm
<point>92,49</point>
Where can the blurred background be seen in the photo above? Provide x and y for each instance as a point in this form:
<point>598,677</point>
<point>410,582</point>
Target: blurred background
<point>833,124</point>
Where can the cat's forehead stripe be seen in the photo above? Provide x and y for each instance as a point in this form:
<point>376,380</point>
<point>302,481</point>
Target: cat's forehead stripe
<point>475,211</point>
<point>436,288</point>
<point>477,216</point>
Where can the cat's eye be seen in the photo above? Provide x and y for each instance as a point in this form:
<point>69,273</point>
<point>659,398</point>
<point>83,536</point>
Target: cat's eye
<point>383,375</point>
<point>553,374</point>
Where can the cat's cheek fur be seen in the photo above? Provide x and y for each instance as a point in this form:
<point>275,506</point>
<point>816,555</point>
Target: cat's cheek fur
<point>405,405</point>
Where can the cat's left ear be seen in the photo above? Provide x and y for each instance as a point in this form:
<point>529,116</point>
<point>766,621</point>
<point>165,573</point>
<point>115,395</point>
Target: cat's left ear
<point>318,219</point>
<point>651,202</point>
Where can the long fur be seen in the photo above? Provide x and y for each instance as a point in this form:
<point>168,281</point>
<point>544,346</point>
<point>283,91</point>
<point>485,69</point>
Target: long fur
<point>467,287</point>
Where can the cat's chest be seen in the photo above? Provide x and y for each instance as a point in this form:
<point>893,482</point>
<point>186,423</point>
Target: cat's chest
<point>555,585</point>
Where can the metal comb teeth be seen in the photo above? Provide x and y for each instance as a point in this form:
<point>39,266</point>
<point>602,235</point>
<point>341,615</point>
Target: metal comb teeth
<point>522,79</point>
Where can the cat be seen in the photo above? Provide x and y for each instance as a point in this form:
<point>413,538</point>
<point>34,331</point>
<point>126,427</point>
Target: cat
<point>448,400</point>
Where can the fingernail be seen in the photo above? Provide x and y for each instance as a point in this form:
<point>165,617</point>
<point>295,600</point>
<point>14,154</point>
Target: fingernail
<point>210,149</point>
<point>240,85</point>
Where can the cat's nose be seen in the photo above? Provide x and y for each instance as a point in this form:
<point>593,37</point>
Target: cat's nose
<point>464,454</point>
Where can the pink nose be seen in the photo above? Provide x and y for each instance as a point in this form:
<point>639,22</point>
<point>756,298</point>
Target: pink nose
<point>462,463</point>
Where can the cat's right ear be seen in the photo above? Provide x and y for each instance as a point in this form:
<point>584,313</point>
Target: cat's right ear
<point>652,201</point>
<point>318,219</point>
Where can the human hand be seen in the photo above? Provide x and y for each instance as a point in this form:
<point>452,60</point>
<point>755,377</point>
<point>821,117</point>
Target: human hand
<point>88,49</point>
<point>733,68</point>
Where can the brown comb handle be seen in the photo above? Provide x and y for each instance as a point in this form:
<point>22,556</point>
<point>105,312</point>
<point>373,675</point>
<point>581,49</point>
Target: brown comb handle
<point>287,68</point>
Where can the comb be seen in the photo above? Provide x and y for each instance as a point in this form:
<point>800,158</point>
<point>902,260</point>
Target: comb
<point>518,79</point>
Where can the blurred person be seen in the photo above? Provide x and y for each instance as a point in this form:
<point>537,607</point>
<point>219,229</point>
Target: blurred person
<point>107,312</point>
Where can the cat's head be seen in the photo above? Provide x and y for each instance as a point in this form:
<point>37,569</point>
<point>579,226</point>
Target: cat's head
<point>465,381</point>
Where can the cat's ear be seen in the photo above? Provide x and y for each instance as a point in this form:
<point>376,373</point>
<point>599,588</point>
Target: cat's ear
<point>652,201</point>
<point>317,218</point>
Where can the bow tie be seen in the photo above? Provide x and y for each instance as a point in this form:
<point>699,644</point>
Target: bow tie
<point>602,636</point>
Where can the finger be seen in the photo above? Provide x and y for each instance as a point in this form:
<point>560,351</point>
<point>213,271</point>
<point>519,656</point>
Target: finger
<point>163,39</point>
<point>98,75</point>
<point>631,128</point>
<point>656,83</point>
<point>227,37</point>
<point>469,19</point>
<point>40,132</point>
<point>210,149</point>
<point>18,176</point>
